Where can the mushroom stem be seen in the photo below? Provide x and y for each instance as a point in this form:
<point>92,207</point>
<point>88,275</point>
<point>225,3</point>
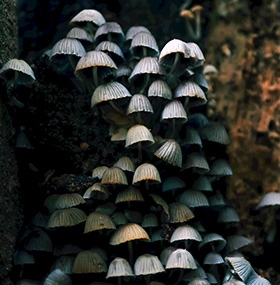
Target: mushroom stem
<point>146,82</point>
<point>130,251</point>
<point>139,151</point>
<point>16,79</point>
<point>173,128</point>
<point>189,28</point>
<point>109,38</point>
<point>181,275</point>
<point>95,77</point>
<point>115,107</point>
<point>71,62</point>
<point>214,270</point>
<point>197,26</point>
<point>139,117</point>
<point>119,280</point>
<point>186,102</point>
<point>148,279</point>
<point>174,65</point>
<point>145,52</point>
<point>147,184</point>
<point>186,244</point>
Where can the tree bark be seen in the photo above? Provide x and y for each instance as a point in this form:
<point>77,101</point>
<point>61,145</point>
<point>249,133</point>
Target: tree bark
<point>10,218</point>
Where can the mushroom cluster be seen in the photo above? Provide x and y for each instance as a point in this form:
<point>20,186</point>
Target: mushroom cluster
<point>156,215</point>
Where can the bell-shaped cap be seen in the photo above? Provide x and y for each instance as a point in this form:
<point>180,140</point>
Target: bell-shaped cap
<point>257,280</point>
<point>180,258</point>
<point>139,103</point>
<point>214,132</point>
<point>127,233</point>
<point>269,199</point>
<point>22,257</point>
<point>170,152</point>
<point>97,191</point>
<point>196,273</point>
<point>161,89</point>
<point>68,200</point>
<point>156,236</point>
<point>217,200</point>
<point>119,218</point>
<point>197,120</point>
<point>213,258</point>
<point>68,46</point>
<point>174,110</point>
<point>146,171</point>
<point>89,261</point>
<point>126,164</point>
<point>165,254</point>
<point>123,71</point>
<point>138,133</point>
<point>220,167</point>
<point>131,194</point>
<point>25,72</point>
<point>79,34</point>
<point>199,281</point>
<point>197,161</point>
<point>191,90</point>
<point>147,264</point>
<point>107,209</point>
<point>58,277</point>
<point>173,183</point>
<point>134,30</point>
<point>185,232</point>
<point>112,49</point>
<point>236,242</point>
<point>40,220</point>
<point>119,135</point>
<point>114,175</point>
<point>144,40</point>
<point>98,172</point>
<point>216,241</point>
<point>190,136</point>
<point>133,216</point>
<point>179,213</point>
<point>98,221</point>
<point>64,263</point>
<point>196,55</point>
<point>66,249</point>
<point>147,65</point>
<point>194,199</point>
<point>112,28</point>
<point>119,267</point>
<point>202,184</point>
<point>39,241</point>
<point>160,202</point>
<point>228,215</point>
<point>88,15</point>
<point>149,221</point>
<point>241,267</point>
<point>66,218</point>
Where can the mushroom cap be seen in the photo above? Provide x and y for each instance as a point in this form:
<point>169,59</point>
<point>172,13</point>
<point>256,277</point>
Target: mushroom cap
<point>199,281</point>
<point>147,65</point>
<point>79,34</point>
<point>128,232</point>
<point>131,194</point>
<point>174,110</point>
<point>89,15</point>
<point>236,242</point>
<point>114,175</point>
<point>119,267</point>
<point>149,221</point>
<point>160,201</point>
<point>134,30</point>
<point>257,280</point>
<point>173,183</point>
<point>138,133</point>
<point>201,81</point>
<point>107,209</point>
<point>98,172</point>
<point>109,91</point>
<point>58,277</point>
<point>216,241</point>
<point>181,258</point>
<point>170,152</point>
<point>212,279</point>
<point>147,264</point>
<point>197,120</point>
<point>97,191</point>
<point>209,70</point>
<point>160,88</point>
<point>146,171</point>
<point>228,215</point>
<point>196,273</point>
<point>40,241</point>
<point>217,200</point>
<point>119,135</point>
<point>22,257</point>
<point>193,199</point>
<point>195,54</point>
<point>66,218</point>
<point>198,162</point>
<point>139,103</point>
<point>123,71</point>
<point>66,249</point>
<point>98,221</point>
<point>190,136</point>
<point>40,220</point>
<point>187,14</point>
<point>112,28</point>
<point>191,90</point>
<point>165,254</point>
<point>241,267</point>
<point>68,46</point>
<point>95,58</point>
<point>126,164</point>
<point>156,236</point>
<point>68,200</point>
<point>185,232</point>
<point>133,216</point>
<point>213,258</point>
<point>111,48</point>
<point>269,199</point>
<point>26,74</point>
<point>119,218</point>
<point>88,261</point>
<point>214,132</point>
<point>179,213</point>
<point>144,39</point>
<point>202,184</point>
<point>64,263</point>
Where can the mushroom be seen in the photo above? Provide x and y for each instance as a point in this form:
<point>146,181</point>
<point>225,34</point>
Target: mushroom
<point>57,277</point>
<point>97,221</point>
<point>126,164</point>
<point>189,136</point>
<point>196,273</point>
<point>213,259</point>
<point>64,263</point>
<point>131,194</point>
<point>97,191</point>
<point>114,176</point>
<point>179,213</point>
<point>98,172</point>
<point>113,50</point>
<point>197,162</point>
<point>64,201</point>
<point>194,199</point>
<point>197,14</point>
<point>214,132</point>
<point>110,31</point>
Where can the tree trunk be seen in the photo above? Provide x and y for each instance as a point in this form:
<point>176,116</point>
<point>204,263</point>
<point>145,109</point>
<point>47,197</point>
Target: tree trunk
<point>10,218</point>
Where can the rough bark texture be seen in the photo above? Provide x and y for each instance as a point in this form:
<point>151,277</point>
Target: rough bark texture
<point>10,218</point>
<point>246,91</point>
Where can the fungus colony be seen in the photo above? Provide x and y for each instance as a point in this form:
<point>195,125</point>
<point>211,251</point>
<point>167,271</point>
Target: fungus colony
<point>157,215</point>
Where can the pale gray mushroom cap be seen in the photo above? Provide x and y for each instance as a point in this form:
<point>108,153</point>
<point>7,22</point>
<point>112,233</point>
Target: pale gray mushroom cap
<point>174,110</point>
<point>79,34</point>
<point>236,242</point>
<point>241,267</point>
<point>119,267</point>
<point>98,171</point>
<point>139,103</point>
<point>185,232</point>
<point>216,241</point>
<point>147,264</point>
<point>97,191</point>
<point>269,199</point>
<point>150,221</point>
<point>146,40</point>
<point>165,254</point>
<point>134,30</point>
<point>57,277</point>
<point>68,200</point>
<point>98,221</point>
<point>161,89</point>
<point>213,258</point>
<point>119,135</point>
<point>68,46</point>
<point>193,199</point>
<point>257,280</point>
<point>131,194</point>
<point>126,164</point>
<point>138,133</point>
<point>109,91</point>
<point>170,152</point>
<point>195,54</point>
<point>112,28</point>
<point>110,47</point>
<point>181,258</point>
<point>89,15</point>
